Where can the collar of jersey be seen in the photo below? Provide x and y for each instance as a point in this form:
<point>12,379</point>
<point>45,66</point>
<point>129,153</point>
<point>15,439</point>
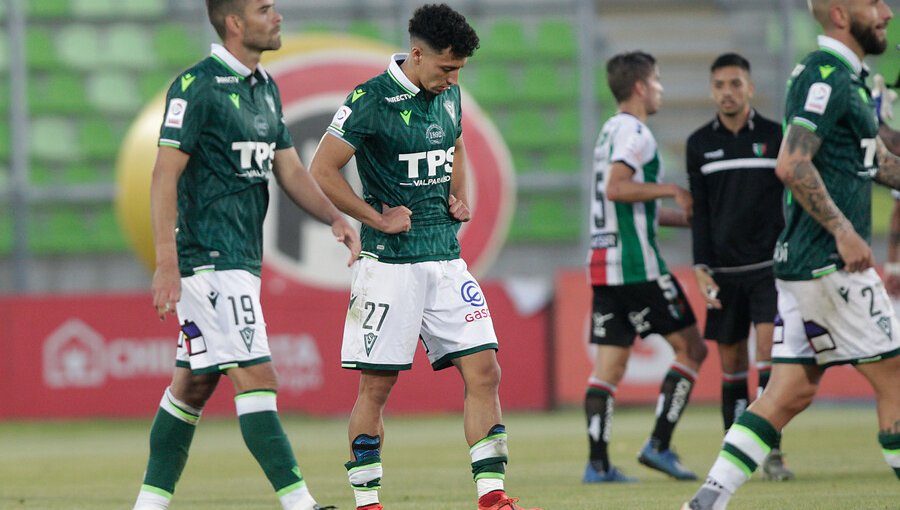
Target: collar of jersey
<point>398,75</point>
<point>224,57</point>
<point>842,52</point>
<point>750,125</point>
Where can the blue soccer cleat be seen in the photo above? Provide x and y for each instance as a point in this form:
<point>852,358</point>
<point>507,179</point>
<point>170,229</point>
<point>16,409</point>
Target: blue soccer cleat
<point>666,461</point>
<point>611,475</point>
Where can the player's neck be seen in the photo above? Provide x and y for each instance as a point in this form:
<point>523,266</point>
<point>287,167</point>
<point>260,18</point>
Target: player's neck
<point>848,40</point>
<point>249,58</point>
<point>634,108</point>
<point>409,70</point>
<point>735,123</point>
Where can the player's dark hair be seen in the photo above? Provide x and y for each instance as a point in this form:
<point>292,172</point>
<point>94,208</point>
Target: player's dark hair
<point>217,10</point>
<point>730,60</point>
<point>441,27</point>
<point>626,69</point>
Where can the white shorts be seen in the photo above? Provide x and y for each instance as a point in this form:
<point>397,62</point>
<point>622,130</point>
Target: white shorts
<point>392,305</point>
<point>839,318</point>
<point>222,324</point>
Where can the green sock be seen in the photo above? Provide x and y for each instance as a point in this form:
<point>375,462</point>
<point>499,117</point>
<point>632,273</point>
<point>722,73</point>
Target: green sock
<point>890,447</point>
<point>267,441</point>
<point>170,439</point>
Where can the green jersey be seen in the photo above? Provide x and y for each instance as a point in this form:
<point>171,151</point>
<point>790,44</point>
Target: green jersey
<point>229,121</point>
<point>827,95</point>
<point>405,139</point>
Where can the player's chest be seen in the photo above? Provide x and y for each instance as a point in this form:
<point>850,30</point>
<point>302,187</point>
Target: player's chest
<point>244,113</point>
<point>417,125</point>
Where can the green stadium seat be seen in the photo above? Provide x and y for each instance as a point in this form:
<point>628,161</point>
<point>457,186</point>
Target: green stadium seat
<point>526,129</point>
<point>58,230</point>
<point>546,84</point>
<point>153,82</point>
<point>505,40</point>
<point>59,92</point>
<point>79,47</point>
<point>53,139</point>
<point>96,9</point>
<point>4,94</point>
<point>106,232</point>
<point>6,233</point>
<point>568,125</point>
<point>83,173</point>
<point>546,218</point>
<point>113,92</point>
<point>43,175</point>
<point>128,45</point>
<point>563,160</point>
<point>176,46</point>
<point>4,53</point>
<point>47,9</point>
<point>556,39</point>
<point>143,8</point>
<point>4,142</point>
<point>489,84</point>
<point>605,98</point>
<point>40,50</point>
<point>99,140</point>
<point>366,29</point>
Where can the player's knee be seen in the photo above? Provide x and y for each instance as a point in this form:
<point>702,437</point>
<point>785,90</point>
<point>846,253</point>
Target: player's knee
<point>484,380</point>
<point>376,388</point>
<point>697,351</point>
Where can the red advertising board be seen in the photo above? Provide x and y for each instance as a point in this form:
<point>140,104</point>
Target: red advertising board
<point>108,355</point>
<point>650,358</point>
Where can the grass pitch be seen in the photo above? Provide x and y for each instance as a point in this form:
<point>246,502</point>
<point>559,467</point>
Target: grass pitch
<point>98,465</point>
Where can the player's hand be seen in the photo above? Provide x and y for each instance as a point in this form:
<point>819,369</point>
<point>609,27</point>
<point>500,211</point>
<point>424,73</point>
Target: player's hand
<point>854,251</point>
<point>708,288</point>
<point>458,209</point>
<point>884,98</point>
<point>346,234</point>
<point>685,201</point>
<point>395,219</point>
<point>166,288</point>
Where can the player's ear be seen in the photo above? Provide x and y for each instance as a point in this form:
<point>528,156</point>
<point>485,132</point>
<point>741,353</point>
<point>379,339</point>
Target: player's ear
<point>234,24</point>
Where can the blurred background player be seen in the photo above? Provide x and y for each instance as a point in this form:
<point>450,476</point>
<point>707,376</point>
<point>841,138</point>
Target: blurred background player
<point>737,218</point>
<point>831,302</point>
<point>633,291</point>
<point>219,143</point>
<point>405,129</point>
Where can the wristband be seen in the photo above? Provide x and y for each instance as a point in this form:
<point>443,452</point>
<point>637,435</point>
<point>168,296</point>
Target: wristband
<point>892,268</point>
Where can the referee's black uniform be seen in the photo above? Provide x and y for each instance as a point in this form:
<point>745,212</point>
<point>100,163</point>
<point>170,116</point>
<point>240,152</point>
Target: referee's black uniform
<point>737,213</point>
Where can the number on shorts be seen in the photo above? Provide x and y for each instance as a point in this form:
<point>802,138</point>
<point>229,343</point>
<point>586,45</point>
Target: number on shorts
<point>872,311</point>
<point>249,315</point>
<point>371,307</point>
<point>670,291</point>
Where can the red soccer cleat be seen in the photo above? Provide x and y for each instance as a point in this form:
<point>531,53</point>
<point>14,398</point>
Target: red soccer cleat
<point>373,506</point>
<point>505,503</point>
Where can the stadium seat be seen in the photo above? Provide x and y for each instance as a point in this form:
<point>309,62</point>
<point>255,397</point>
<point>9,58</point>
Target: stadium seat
<point>47,9</point>
<point>4,141</point>
<point>57,230</point>
<point>53,139</point>
<point>106,234</point>
<point>564,160</point>
<point>59,92</point>
<point>43,175</point>
<point>556,39</point>
<point>142,8</point>
<point>4,54</point>
<point>490,84</point>
<point>153,82</point>
<point>83,173</point>
<point>6,233</point>
<point>113,92</point>
<point>366,29</point>
<point>79,46</point>
<point>504,40</point>
<point>99,139</point>
<point>527,129</point>
<point>546,218</point>
<point>40,50</point>
<point>4,93</point>
<point>547,84</point>
<point>176,46</point>
<point>94,9</point>
<point>128,45</point>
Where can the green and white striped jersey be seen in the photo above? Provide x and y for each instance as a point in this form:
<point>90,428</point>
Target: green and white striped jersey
<point>230,123</point>
<point>827,95</point>
<point>405,140</point>
<point>623,235</point>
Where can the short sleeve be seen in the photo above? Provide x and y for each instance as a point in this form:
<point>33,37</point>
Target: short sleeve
<point>186,113</point>
<point>629,145</point>
<point>354,120</point>
<point>283,138</point>
<point>818,98</point>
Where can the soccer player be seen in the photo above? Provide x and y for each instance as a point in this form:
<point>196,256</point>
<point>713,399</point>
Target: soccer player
<point>737,218</point>
<point>832,305</point>
<point>222,139</point>
<point>404,127</point>
<point>633,291</point>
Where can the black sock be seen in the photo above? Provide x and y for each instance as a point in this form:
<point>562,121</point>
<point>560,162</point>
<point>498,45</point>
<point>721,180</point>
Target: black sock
<point>735,397</point>
<point>674,393</point>
<point>598,408</point>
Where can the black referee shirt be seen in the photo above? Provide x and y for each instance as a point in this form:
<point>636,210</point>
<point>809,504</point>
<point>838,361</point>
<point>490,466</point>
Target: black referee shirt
<point>737,197</point>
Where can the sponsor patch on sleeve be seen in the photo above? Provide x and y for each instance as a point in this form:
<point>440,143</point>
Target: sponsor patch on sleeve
<point>817,98</point>
<point>175,113</point>
<point>341,116</point>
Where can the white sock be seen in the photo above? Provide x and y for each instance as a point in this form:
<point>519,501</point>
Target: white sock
<point>486,485</point>
<point>147,500</point>
<point>299,499</point>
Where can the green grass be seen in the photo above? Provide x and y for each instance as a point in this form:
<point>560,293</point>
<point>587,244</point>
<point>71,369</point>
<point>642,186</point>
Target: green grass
<point>98,465</point>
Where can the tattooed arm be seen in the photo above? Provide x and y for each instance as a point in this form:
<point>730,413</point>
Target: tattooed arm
<point>795,168</point>
<point>888,154</point>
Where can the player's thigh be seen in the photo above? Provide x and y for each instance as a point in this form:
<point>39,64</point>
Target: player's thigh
<point>384,318</point>
<point>222,322</point>
<point>457,319</point>
<point>611,307</point>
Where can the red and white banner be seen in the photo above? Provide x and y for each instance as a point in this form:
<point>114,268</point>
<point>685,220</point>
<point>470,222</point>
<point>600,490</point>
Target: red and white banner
<point>108,355</point>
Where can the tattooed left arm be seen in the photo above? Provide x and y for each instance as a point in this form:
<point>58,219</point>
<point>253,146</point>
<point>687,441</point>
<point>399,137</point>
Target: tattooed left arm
<point>888,166</point>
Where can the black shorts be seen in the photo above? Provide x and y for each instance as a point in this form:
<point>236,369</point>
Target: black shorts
<point>747,297</point>
<point>622,311</point>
